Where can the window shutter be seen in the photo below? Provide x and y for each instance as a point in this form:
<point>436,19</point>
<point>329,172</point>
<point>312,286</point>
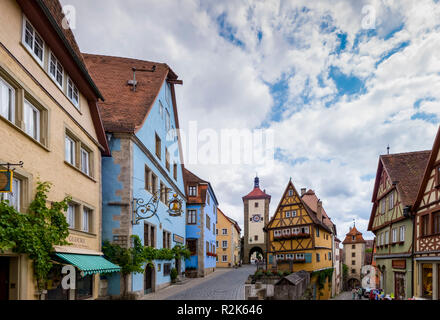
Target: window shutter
<point>308,257</point>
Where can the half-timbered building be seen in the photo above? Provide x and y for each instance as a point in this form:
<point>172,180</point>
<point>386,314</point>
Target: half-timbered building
<point>398,178</point>
<point>298,239</point>
<point>427,229</point>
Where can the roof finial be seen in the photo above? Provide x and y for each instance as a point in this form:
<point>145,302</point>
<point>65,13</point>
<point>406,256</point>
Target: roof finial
<point>256,182</point>
<point>354,223</point>
<point>388,149</point>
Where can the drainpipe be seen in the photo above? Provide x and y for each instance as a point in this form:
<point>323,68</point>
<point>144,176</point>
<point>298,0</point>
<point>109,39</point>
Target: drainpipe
<point>407,213</point>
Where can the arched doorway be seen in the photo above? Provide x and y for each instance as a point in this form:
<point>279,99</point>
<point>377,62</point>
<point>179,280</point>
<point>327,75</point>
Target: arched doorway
<point>353,283</point>
<point>149,279</point>
<point>256,254</point>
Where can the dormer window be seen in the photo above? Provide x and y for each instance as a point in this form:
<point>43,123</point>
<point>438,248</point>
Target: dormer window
<point>33,41</point>
<point>192,191</point>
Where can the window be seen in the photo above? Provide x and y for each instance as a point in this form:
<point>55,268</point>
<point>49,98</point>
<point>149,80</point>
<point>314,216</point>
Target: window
<point>167,120</point>
<point>208,199</point>
<point>147,179</point>
<point>7,101</point>
<point>167,159</point>
<point>56,70</point>
<point>70,150</point>
<point>287,214</point>
<point>353,254</point>
<point>277,233</point>
<point>208,222</point>
<point>32,120</point>
<point>166,239</point>
<point>13,197</point>
<point>256,238</point>
<point>216,232</point>
<point>162,192</point>
<point>86,219</point>
<point>382,204</point>
<point>175,171</point>
<point>154,183</point>
<point>84,286</point>
<point>224,258</point>
<point>71,216</point>
<point>436,222</point>
<point>295,230</point>
<point>213,228</point>
<point>216,244</point>
<point>318,257</point>
<point>85,161</point>
<point>290,192</point>
<point>353,262</point>
<point>293,213</point>
<point>192,246</point>
<point>391,201</point>
<point>353,246</point>
<point>382,242</point>
<point>191,217</point>
<point>256,205</point>
<point>394,235</point>
<point>329,255</point>
<point>224,244</point>
<point>32,41</point>
<point>317,231</point>
<point>192,190</point>
<point>402,233</point>
<point>425,225</point>
<point>353,238</point>
<point>166,269</point>
<point>224,231</point>
<point>280,256</point>
<point>161,109</point>
<point>158,147</point>
<point>72,92</point>
<point>300,256</point>
<point>353,271</point>
<point>387,237</point>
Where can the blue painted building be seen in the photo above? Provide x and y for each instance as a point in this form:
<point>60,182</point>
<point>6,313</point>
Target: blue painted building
<point>201,218</point>
<point>139,117</point>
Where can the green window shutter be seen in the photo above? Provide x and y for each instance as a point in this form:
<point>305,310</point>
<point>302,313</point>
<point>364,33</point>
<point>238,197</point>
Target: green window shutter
<point>308,257</point>
<point>270,259</point>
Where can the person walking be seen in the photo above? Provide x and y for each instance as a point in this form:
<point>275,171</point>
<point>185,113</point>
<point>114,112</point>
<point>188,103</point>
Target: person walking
<point>353,293</point>
<point>359,292</point>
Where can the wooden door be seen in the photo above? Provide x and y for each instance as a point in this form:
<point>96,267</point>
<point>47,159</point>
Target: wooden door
<point>148,279</point>
<point>4,278</point>
<point>399,285</point>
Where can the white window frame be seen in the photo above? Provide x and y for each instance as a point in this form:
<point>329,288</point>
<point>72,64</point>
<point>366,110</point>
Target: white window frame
<point>13,197</point>
<point>290,193</point>
<point>86,214</point>
<point>9,111</point>
<point>71,215</point>
<point>167,120</point>
<point>192,216</point>
<point>287,214</point>
<point>402,230</point>
<point>387,237</point>
<point>32,108</point>
<point>280,256</point>
<point>391,201</point>
<point>83,152</point>
<point>34,36</point>
<point>73,88</point>
<point>224,258</point>
<point>277,233</point>
<point>224,244</point>
<point>57,63</point>
<point>72,147</point>
<point>299,256</point>
<point>189,191</point>
<point>394,235</point>
<point>224,232</point>
<point>293,213</point>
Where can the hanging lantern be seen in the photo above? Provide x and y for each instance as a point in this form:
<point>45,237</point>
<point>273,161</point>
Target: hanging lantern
<point>175,206</point>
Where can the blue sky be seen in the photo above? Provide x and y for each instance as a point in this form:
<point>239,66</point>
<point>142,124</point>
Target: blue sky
<point>335,88</point>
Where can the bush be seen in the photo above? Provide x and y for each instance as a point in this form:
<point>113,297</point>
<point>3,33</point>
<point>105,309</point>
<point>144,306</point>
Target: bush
<point>280,273</point>
<point>258,274</point>
<point>286,273</point>
<point>173,274</point>
<point>269,273</point>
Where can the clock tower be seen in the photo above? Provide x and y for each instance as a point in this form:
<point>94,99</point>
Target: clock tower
<point>256,216</point>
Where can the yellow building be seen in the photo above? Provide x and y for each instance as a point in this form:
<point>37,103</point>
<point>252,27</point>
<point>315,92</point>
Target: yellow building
<point>227,241</point>
<point>301,239</point>
<point>49,120</point>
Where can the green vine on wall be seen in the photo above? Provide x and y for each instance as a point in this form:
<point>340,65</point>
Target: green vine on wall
<point>36,233</point>
<point>321,276</point>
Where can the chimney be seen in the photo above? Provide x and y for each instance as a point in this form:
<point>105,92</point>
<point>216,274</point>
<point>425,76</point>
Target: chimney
<point>319,210</point>
<point>303,191</point>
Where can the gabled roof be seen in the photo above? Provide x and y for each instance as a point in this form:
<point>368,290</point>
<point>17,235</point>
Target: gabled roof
<point>235,223</point>
<point>309,211</point>
<point>256,193</point>
<point>294,278</point>
<point>353,233</point>
<point>125,110</point>
<point>429,167</point>
<point>404,169</point>
<point>311,200</point>
<point>190,178</point>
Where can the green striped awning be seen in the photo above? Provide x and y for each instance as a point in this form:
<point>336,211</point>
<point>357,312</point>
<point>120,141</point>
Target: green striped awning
<point>89,264</point>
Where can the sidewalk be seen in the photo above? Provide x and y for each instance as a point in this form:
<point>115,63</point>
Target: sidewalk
<point>192,282</point>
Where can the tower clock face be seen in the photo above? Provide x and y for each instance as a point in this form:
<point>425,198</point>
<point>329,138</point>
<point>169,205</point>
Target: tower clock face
<point>256,218</point>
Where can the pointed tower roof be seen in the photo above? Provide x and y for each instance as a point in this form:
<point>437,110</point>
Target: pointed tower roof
<point>256,193</point>
<point>353,233</point>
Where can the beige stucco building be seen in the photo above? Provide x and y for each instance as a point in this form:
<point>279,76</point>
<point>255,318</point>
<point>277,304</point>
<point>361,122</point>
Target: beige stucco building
<point>227,241</point>
<point>50,121</point>
<point>354,256</point>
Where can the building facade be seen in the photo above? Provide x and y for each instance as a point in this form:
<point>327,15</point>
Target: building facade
<point>227,241</point>
<point>354,256</point>
<point>300,240</point>
<point>201,220</point>
<point>426,212</point>
<point>397,182</point>
<point>256,216</point>
<point>139,119</point>
<point>49,120</point>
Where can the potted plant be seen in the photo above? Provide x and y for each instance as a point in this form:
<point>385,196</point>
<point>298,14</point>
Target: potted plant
<point>173,275</point>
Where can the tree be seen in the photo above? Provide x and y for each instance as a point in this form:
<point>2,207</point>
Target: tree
<point>36,233</point>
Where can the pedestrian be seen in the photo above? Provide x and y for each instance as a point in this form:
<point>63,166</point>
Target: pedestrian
<point>360,293</point>
<point>353,292</point>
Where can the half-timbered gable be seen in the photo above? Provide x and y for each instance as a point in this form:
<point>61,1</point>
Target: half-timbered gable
<point>427,229</point>
<point>398,178</point>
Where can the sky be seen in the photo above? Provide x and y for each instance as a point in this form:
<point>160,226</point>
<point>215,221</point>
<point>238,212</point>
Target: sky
<point>335,81</point>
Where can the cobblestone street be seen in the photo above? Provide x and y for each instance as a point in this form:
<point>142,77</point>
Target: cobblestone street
<point>346,295</point>
<point>223,284</point>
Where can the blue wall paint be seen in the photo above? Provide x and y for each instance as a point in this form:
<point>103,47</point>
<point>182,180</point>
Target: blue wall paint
<point>154,124</point>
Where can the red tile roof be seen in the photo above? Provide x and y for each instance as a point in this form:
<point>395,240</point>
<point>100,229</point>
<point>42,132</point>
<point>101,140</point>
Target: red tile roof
<point>125,110</point>
<point>311,200</point>
<point>357,236</point>
<point>256,194</point>
<point>190,178</point>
